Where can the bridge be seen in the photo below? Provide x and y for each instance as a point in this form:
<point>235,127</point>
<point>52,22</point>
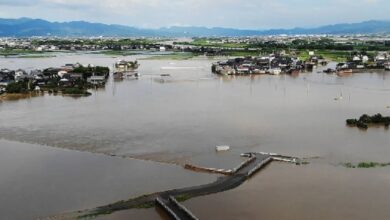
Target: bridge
<point>167,200</point>
<point>233,179</point>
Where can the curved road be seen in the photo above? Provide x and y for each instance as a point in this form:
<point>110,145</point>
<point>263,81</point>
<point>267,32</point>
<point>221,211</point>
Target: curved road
<point>222,184</point>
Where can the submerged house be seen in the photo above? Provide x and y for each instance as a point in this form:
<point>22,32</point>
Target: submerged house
<point>20,75</point>
<point>273,64</point>
<point>6,76</point>
<point>75,76</point>
<point>97,80</point>
<point>361,61</point>
<point>125,66</point>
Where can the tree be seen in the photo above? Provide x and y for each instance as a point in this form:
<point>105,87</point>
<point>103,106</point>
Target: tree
<point>17,87</point>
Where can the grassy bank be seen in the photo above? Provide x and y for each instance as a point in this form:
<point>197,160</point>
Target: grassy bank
<point>18,96</point>
<point>28,95</point>
<point>332,55</point>
<point>118,52</point>
<point>366,165</point>
<point>35,56</point>
<point>202,42</point>
<point>142,202</point>
<point>172,56</point>
<point>16,52</point>
<point>240,53</point>
<point>76,92</point>
<point>19,53</point>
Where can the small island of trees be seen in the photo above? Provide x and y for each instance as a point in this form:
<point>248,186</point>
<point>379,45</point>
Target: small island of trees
<point>365,121</point>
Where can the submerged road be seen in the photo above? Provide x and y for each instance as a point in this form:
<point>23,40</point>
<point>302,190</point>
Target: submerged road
<point>167,200</point>
<point>223,183</point>
<point>178,212</point>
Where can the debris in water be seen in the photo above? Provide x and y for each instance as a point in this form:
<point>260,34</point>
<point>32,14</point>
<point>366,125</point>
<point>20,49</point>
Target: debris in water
<point>222,148</point>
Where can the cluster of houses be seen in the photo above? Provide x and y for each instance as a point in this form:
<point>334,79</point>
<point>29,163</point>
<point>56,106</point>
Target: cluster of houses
<point>359,62</point>
<point>98,47</point>
<point>273,64</point>
<point>66,76</point>
<point>76,44</point>
<point>36,77</point>
<point>9,76</point>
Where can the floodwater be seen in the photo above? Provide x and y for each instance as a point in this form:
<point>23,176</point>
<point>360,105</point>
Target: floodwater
<point>317,191</point>
<point>37,181</point>
<point>144,214</point>
<point>182,117</point>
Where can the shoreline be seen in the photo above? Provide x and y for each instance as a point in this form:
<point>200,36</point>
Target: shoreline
<point>21,96</point>
<point>18,96</point>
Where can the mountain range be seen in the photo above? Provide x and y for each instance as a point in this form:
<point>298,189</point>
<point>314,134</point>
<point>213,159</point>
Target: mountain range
<point>27,27</point>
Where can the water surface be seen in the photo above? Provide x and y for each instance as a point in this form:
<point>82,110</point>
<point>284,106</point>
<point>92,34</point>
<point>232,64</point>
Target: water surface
<point>38,181</point>
<point>318,191</point>
<point>181,118</point>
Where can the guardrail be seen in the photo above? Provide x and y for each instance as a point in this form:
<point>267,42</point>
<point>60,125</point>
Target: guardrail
<point>182,208</point>
<point>288,160</point>
<point>208,170</point>
<point>220,171</point>
<point>243,164</point>
<point>170,212</point>
<point>259,166</point>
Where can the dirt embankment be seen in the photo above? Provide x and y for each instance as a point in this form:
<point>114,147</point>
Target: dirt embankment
<point>17,96</point>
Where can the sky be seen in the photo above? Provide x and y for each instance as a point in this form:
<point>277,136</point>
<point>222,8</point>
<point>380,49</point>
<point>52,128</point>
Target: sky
<point>243,14</point>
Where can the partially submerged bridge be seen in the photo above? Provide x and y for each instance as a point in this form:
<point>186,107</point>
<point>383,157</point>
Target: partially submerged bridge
<point>233,179</point>
<point>167,200</point>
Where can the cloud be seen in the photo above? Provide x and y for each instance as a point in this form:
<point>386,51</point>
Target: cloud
<point>18,2</point>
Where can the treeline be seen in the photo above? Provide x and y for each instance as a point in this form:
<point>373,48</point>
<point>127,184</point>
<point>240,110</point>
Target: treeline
<point>18,87</point>
<point>324,44</point>
<point>298,44</point>
<point>97,42</point>
<point>88,71</point>
<point>365,120</point>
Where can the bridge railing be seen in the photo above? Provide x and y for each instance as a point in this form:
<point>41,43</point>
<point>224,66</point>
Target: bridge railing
<point>259,166</point>
<point>170,212</point>
<point>243,164</point>
<point>182,208</point>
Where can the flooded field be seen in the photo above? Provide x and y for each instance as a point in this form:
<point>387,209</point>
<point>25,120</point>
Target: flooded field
<point>181,118</point>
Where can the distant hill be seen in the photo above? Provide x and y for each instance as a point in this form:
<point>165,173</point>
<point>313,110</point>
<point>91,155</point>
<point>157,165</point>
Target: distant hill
<point>26,27</point>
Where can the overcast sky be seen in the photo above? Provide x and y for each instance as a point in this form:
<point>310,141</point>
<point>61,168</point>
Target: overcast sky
<point>254,14</point>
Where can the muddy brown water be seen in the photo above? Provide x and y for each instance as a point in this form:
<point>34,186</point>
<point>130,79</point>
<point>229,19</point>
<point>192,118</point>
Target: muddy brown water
<point>318,191</point>
<point>183,117</point>
<point>38,181</point>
